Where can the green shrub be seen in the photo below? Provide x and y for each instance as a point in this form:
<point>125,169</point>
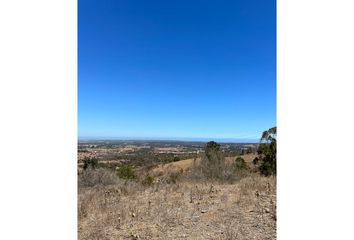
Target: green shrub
<point>148,180</point>
<point>267,153</point>
<point>91,162</point>
<point>126,172</point>
<point>240,164</point>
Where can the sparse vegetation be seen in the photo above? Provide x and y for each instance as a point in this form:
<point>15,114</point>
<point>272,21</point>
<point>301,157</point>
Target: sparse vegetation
<point>90,162</point>
<point>213,164</point>
<point>179,211</point>
<point>219,197</point>
<point>126,172</point>
<point>148,180</point>
<point>97,176</point>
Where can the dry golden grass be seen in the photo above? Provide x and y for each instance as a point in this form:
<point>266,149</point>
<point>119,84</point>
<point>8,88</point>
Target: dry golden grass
<point>188,164</point>
<point>185,210</point>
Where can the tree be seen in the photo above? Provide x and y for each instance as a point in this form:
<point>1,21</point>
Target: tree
<point>269,135</point>
<point>212,148</point>
<point>267,152</point>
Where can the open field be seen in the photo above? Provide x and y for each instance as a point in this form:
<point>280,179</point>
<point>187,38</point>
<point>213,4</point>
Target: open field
<point>244,210</point>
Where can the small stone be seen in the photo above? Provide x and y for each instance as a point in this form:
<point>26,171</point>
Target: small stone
<point>203,211</point>
<point>267,210</point>
<point>134,236</point>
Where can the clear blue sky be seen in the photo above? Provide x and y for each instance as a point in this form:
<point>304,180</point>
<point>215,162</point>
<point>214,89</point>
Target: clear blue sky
<point>176,69</point>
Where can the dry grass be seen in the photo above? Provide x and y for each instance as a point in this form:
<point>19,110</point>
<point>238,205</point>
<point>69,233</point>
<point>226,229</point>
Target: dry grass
<point>185,210</point>
<point>187,164</point>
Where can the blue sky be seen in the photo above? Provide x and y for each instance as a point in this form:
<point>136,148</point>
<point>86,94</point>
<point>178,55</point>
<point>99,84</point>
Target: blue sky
<point>176,69</point>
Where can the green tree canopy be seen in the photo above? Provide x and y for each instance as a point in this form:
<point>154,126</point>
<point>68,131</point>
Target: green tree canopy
<point>267,152</point>
<point>212,148</point>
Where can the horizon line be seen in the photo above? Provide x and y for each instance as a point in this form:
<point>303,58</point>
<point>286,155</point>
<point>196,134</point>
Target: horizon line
<point>186,139</point>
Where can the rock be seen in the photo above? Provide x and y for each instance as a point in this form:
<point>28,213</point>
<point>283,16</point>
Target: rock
<point>203,211</point>
<point>134,236</point>
<point>267,210</point>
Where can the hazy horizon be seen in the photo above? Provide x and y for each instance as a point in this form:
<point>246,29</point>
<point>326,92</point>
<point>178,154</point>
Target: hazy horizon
<point>182,139</point>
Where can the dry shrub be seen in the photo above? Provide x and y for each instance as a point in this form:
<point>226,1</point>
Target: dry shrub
<point>216,170</point>
<point>233,230</point>
<point>213,166</point>
<point>173,177</point>
<point>101,176</point>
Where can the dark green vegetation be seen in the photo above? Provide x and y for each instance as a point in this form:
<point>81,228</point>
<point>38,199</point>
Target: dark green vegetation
<point>267,152</point>
<point>148,180</point>
<point>126,172</point>
<point>91,162</point>
<point>240,164</point>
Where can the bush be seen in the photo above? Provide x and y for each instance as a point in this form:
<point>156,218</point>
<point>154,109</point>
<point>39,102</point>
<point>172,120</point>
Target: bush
<point>255,161</point>
<point>148,180</point>
<point>213,165</point>
<point>240,164</point>
<point>126,172</point>
<point>91,162</point>
<point>101,176</point>
<point>173,177</point>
